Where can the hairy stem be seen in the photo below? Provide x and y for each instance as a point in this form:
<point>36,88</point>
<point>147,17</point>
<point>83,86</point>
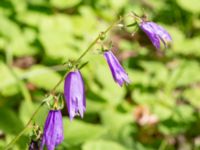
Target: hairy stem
<point>96,40</point>
<point>26,126</point>
<point>60,81</point>
<point>85,52</point>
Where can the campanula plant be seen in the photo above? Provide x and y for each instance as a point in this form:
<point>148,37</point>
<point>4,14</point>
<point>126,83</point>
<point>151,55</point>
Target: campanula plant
<point>74,89</point>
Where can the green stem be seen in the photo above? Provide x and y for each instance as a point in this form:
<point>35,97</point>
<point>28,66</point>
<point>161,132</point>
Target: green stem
<point>96,40</point>
<point>26,126</point>
<point>85,52</point>
<point>59,82</point>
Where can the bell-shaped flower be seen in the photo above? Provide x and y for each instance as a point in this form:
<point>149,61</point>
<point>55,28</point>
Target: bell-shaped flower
<point>74,92</point>
<point>53,130</point>
<point>118,72</point>
<point>156,33</point>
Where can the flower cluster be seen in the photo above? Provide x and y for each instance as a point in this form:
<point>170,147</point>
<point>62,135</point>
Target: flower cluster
<point>74,93</point>
<point>74,90</point>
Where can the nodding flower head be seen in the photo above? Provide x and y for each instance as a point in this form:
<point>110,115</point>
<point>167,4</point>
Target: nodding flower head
<point>53,130</point>
<point>156,33</point>
<point>118,72</point>
<point>75,94</point>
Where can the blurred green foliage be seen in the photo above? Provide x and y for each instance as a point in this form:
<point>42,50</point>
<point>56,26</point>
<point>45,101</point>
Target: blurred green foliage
<point>158,110</point>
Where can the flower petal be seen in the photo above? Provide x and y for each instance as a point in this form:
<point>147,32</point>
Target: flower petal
<point>74,92</point>
<point>53,130</point>
<point>156,33</point>
<point>118,72</point>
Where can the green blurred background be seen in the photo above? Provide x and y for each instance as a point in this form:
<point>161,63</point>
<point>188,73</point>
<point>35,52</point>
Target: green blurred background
<point>159,110</point>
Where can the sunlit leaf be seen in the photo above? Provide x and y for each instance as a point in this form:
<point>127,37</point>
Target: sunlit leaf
<point>102,144</point>
<point>192,5</point>
<point>85,132</point>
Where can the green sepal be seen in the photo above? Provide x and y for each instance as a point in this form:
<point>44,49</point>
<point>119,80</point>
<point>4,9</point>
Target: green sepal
<point>132,24</point>
<point>102,36</point>
<point>36,133</point>
<point>56,102</point>
<point>83,65</point>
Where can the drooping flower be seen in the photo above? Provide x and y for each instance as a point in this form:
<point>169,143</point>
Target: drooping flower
<point>118,73</point>
<point>53,130</point>
<point>74,92</point>
<point>156,33</point>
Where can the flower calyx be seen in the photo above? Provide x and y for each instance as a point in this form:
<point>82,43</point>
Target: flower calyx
<point>56,102</point>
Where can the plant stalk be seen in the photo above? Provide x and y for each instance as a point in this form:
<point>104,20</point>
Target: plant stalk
<point>60,81</point>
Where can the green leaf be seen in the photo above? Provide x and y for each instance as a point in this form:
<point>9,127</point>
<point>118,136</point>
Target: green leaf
<point>39,2</point>
<point>8,84</point>
<point>19,6</point>
<point>26,110</point>
<point>119,5</point>
<point>95,106</point>
<point>20,46</point>
<point>156,71</point>
<point>56,37</point>
<point>138,78</point>
<point>184,114</point>
<point>193,96</point>
<point>189,5</point>
<point>62,4</point>
<point>189,74</point>
<point>77,132</point>
<point>142,97</point>
<point>176,34</point>
<point>9,123</point>
<point>44,77</point>
<point>188,47</point>
<point>8,29</point>
<point>103,145</point>
<point>87,14</point>
<point>32,18</point>
<point>16,40</point>
<point>115,121</point>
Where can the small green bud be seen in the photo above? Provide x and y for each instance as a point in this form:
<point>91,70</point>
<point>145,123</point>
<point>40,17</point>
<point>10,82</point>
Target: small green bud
<point>102,36</point>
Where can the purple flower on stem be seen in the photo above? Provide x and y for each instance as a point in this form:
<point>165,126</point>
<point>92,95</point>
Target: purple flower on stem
<point>53,130</point>
<point>118,73</point>
<point>156,33</point>
<point>74,92</point>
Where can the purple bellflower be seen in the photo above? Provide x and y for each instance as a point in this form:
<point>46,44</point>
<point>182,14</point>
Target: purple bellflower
<point>53,130</point>
<point>74,92</point>
<point>118,73</point>
<point>155,33</point>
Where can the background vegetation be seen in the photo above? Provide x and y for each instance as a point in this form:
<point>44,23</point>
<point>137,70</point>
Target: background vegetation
<point>159,110</point>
